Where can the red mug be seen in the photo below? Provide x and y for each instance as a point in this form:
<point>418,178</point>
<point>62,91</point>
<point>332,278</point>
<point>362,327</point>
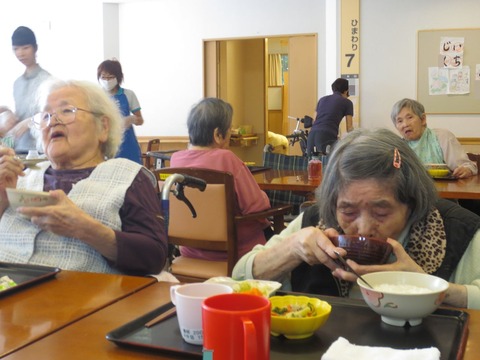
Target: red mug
<point>236,327</point>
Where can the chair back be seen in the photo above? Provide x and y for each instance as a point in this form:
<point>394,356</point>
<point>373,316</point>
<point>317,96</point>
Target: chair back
<point>213,228</point>
<point>153,145</point>
<point>285,162</point>
<point>474,157</point>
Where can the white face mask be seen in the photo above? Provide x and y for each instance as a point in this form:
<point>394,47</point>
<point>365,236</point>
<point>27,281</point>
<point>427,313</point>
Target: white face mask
<point>108,85</point>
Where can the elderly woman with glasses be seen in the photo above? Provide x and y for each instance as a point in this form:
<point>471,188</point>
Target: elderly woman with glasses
<point>374,185</point>
<point>105,217</point>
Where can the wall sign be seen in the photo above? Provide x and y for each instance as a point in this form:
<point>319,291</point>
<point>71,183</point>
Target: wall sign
<point>350,52</point>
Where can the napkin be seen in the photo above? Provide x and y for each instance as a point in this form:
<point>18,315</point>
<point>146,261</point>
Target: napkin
<point>341,349</point>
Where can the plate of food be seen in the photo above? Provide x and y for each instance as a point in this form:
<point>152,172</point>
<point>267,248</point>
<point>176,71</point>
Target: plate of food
<point>256,287</point>
<point>30,162</point>
<point>14,277</point>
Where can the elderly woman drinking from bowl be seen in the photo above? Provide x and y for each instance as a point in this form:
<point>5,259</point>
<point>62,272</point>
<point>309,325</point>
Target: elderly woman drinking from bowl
<point>106,217</point>
<point>374,185</point>
<point>435,146</point>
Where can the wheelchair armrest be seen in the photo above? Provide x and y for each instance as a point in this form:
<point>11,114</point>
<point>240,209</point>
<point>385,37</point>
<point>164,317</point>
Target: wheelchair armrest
<point>162,155</point>
<point>277,212</point>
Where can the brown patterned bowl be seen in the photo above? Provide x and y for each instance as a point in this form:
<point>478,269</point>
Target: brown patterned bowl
<point>364,250</point>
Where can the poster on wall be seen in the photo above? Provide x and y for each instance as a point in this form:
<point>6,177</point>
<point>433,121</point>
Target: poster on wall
<point>459,80</point>
<point>437,81</point>
<point>451,77</point>
<point>451,52</point>
<point>447,70</point>
<point>448,81</point>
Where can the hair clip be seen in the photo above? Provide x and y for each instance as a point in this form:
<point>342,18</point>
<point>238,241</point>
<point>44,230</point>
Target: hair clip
<point>397,159</point>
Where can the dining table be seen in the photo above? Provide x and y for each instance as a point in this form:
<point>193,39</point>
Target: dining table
<point>468,188</point>
<point>44,308</point>
<point>287,180</point>
<point>86,337</point>
<point>297,181</point>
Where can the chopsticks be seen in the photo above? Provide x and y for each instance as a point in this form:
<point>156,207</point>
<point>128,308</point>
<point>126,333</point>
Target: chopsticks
<point>163,316</point>
<point>344,262</point>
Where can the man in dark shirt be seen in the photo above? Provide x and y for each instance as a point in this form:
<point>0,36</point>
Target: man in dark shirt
<point>331,109</point>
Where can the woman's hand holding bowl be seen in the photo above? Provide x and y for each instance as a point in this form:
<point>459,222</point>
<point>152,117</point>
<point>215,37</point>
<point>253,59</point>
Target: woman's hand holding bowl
<point>63,218</point>
<point>313,246</point>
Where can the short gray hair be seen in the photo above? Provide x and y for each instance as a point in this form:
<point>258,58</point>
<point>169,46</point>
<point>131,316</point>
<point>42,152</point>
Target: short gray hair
<point>369,154</point>
<point>417,108</point>
<point>98,102</point>
<point>206,116</point>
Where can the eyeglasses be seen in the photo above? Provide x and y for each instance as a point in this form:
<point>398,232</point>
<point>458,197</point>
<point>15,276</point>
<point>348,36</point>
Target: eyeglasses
<point>65,115</point>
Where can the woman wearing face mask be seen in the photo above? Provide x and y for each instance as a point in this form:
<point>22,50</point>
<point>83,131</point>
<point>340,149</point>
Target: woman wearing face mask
<point>110,77</point>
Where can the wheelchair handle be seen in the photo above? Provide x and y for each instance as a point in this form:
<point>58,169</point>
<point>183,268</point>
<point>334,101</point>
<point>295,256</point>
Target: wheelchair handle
<point>184,180</point>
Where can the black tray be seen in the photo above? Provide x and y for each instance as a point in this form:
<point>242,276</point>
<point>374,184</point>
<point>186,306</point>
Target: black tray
<point>25,275</point>
<point>256,169</point>
<point>445,329</point>
<point>446,178</point>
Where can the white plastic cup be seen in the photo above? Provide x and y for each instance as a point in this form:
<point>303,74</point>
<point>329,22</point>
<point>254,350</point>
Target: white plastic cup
<point>188,299</point>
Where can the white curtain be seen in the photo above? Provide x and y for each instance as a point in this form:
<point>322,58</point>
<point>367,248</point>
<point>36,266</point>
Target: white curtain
<point>275,73</point>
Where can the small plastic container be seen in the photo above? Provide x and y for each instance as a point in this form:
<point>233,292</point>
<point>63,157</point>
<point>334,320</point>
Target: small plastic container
<point>314,169</point>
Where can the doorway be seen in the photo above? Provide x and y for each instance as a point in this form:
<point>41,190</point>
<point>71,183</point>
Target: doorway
<point>236,70</point>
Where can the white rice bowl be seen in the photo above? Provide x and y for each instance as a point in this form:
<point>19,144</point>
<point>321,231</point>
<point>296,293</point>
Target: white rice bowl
<point>401,297</point>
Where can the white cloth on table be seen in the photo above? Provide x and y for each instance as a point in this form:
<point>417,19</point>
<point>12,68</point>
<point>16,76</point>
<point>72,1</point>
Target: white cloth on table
<point>342,349</point>
<point>165,276</point>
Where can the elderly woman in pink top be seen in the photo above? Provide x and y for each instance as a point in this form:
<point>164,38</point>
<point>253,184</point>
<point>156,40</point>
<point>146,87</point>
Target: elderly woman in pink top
<point>209,125</point>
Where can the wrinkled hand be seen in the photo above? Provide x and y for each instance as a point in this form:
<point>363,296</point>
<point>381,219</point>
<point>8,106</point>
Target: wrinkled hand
<point>63,218</point>
<point>403,263</point>
<point>10,168</point>
<point>462,172</point>
<point>313,246</point>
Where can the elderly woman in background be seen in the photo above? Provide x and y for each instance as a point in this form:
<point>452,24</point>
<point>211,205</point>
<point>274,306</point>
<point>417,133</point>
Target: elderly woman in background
<point>387,194</point>
<point>106,217</point>
<point>435,146</point>
<point>209,127</point>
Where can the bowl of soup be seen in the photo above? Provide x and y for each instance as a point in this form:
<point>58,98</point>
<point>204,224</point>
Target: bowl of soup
<point>364,250</point>
<point>402,297</point>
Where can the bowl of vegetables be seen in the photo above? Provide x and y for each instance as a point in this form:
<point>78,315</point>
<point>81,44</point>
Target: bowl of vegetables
<point>437,170</point>
<point>254,287</point>
<point>297,317</point>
